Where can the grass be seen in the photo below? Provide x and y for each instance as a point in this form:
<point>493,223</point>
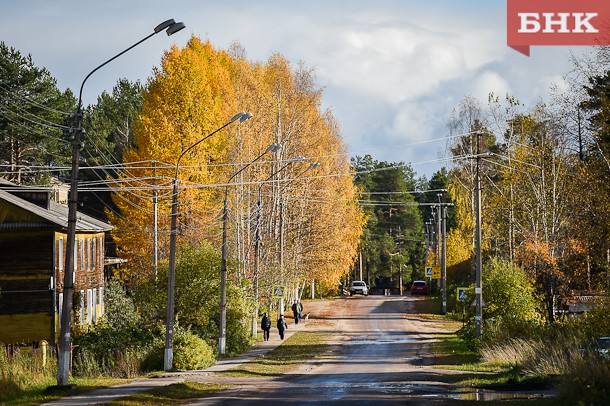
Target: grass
<point>453,354</point>
<point>174,394</point>
<point>299,348</point>
<point>39,393</point>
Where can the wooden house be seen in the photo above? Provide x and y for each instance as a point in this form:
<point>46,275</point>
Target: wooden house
<point>33,233</point>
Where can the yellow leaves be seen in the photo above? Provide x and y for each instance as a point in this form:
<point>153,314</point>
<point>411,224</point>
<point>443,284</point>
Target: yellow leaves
<point>311,222</point>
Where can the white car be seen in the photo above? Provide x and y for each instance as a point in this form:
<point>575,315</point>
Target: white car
<point>359,287</point>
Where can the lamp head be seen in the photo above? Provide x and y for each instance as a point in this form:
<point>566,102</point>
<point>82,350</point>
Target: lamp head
<point>298,159</point>
<point>174,28</point>
<point>273,148</point>
<point>170,26</point>
<point>164,25</point>
<point>245,117</point>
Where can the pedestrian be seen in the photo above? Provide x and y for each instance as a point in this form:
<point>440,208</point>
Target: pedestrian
<point>266,326</point>
<point>281,326</point>
<point>300,306</point>
<point>295,312</point>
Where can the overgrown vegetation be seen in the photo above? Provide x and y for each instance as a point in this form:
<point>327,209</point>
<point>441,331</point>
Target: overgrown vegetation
<point>524,350</point>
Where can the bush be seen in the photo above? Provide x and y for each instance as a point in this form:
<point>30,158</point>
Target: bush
<point>117,345</point>
<point>190,352</point>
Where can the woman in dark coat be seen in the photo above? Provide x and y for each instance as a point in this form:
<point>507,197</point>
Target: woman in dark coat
<point>266,326</point>
<point>281,326</point>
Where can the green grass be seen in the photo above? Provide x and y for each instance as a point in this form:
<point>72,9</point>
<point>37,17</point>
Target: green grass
<point>174,394</point>
<point>300,347</point>
<point>36,394</point>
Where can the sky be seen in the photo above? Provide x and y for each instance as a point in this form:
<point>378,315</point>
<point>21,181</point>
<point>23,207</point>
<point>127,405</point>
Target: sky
<point>392,70</point>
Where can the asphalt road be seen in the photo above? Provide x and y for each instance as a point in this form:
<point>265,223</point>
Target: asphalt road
<point>380,355</point>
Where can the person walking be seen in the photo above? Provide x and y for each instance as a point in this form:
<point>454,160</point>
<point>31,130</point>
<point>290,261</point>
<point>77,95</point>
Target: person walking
<point>266,326</point>
<point>281,326</point>
<point>295,312</point>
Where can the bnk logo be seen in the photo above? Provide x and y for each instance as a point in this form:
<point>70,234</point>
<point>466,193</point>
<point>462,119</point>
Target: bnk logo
<point>557,22</point>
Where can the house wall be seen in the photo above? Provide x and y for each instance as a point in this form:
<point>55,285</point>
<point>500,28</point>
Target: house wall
<point>26,286</point>
<point>88,276</point>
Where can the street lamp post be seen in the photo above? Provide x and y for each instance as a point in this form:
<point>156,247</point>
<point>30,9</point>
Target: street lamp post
<point>65,341</point>
<point>168,358</point>
<point>222,340</point>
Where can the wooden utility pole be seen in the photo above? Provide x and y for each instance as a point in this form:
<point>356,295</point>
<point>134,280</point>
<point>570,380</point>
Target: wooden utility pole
<point>479,288</point>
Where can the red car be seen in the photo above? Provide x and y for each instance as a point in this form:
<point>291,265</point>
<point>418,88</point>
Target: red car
<point>420,288</point>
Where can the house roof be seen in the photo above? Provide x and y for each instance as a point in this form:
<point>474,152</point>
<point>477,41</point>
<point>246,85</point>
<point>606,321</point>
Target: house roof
<point>57,215</point>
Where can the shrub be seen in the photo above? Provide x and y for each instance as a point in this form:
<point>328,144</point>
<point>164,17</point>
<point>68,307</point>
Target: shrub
<point>117,344</point>
<point>190,352</point>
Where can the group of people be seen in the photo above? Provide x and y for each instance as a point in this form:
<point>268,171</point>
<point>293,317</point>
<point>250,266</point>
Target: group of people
<point>282,326</point>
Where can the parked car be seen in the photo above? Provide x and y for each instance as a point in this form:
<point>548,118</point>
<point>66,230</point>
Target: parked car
<point>359,287</point>
<point>420,288</point>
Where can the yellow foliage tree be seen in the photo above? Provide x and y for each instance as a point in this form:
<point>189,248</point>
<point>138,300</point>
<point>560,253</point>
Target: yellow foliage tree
<point>311,222</point>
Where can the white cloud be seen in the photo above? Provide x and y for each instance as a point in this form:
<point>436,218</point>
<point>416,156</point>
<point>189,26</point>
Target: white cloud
<point>489,82</point>
<point>392,69</point>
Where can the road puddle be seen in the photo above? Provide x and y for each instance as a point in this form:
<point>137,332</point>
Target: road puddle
<point>481,395</point>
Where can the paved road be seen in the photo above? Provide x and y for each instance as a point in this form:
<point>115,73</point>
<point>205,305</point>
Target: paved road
<point>380,355</point>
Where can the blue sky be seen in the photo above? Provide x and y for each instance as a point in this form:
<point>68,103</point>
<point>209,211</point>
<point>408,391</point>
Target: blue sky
<point>392,70</point>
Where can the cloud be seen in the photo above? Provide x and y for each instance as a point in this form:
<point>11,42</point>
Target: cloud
<point>489,82</point>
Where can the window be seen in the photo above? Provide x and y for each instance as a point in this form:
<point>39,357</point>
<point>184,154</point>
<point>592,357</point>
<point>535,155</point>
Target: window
<point>94,306</point>
<point>60,254</point>
<point>82,307</point>
<point>101,244</point>
<point>75,248</point>
<point>89,310</point>
<point>82,254</point>
<point>94,253</point>
<point>60,307</point>
<point>101,301</point>
<point>89,253</point>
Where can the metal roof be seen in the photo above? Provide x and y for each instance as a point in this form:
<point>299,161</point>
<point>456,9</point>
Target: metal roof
<point>57,214</point>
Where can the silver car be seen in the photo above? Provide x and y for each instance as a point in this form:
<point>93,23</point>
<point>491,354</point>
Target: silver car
<point>359,287</point>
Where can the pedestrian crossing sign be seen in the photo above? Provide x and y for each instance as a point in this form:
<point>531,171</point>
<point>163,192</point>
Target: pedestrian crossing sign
<point>462,294</point>
<point>279,292</point>
<point>428,272</point>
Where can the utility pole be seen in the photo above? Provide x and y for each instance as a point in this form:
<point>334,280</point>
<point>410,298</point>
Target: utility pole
<point>479,288</point>
<point>155,220</point>
<point>443,209</point>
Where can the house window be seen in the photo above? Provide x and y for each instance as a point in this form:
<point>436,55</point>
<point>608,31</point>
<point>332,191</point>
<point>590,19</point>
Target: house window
<point>94,253</point>
<point>101,301</point>
<point>89,254</point>
<point>101,244</point>
<point>60,307</point>
<point>75,248</point>
<point>82,307</point>
<point>89,306</point>
<point>60,254</point>
<point>94,306</point>
<point>82,254</point>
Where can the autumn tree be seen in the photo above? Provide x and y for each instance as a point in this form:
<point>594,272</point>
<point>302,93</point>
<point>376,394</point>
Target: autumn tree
<point>305,209</point>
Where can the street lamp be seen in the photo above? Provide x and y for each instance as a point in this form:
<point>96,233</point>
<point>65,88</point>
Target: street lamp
<point>65,342</point>
<point>257,238</point>
<point>168,358</point>
<point>222,340</point>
